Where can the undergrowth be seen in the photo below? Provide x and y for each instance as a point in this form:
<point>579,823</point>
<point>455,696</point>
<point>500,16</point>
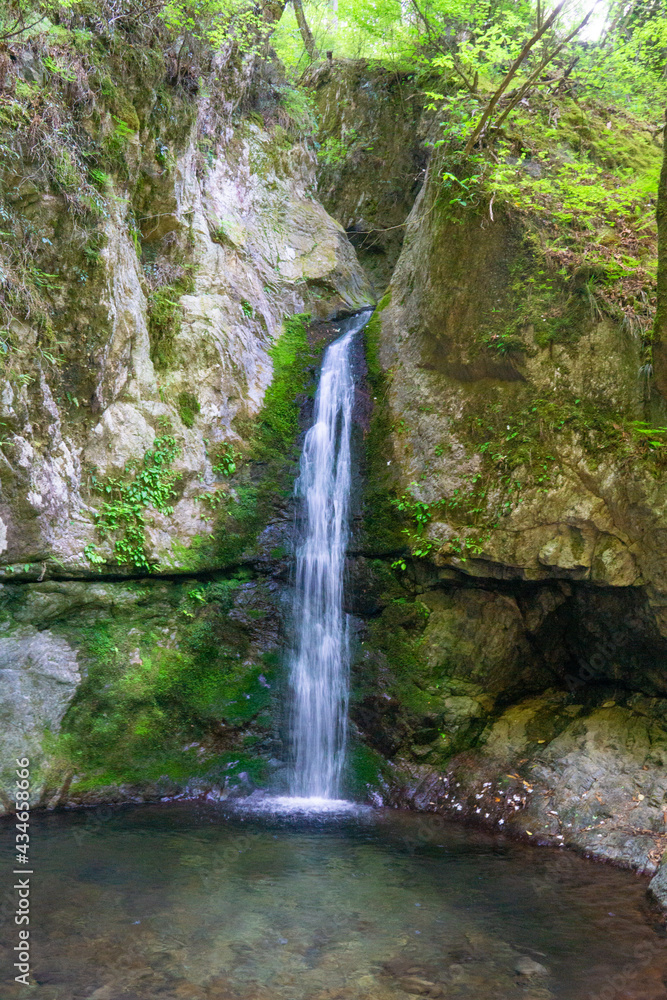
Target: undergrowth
<point>584,178</point>
<point>122,515</point>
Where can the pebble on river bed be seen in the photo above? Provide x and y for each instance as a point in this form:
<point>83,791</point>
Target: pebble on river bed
<point>421,987</point>
<point>526,966</point>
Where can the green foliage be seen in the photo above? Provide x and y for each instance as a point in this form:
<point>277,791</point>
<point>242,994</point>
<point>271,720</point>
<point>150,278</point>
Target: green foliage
<point>652,437</point>
<point>334,151</point>
<point>503,344</point>
<point>243,516</point>
<point>361,28</point>
<point>55,67</point>
<point>419,515</point>
<point>188,407</point>
<point>299,108</point>
<point>213,22</point>
<point>115,143</point>
<point>122,514</point>
<point>627,67</point>
<point>419,511</point>
<point>226,459</point>
<point>577,191</point>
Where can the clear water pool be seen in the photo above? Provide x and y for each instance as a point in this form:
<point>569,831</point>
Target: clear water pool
<point>200,903</point>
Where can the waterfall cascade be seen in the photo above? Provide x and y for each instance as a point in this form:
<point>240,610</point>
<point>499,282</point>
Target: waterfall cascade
<point>319,665</point>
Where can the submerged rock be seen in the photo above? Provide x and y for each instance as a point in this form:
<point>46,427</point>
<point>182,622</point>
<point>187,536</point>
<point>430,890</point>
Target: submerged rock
<point>526,966</point>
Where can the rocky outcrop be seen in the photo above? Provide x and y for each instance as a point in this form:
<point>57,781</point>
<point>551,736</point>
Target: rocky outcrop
<point>259,248</point>
<point>39,675</point>
<point>371,155</point>
<point>149,404</point>
<point>512,643</point>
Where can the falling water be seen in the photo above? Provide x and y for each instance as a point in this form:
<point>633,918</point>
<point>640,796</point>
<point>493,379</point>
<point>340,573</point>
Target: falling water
<point>320,664</point>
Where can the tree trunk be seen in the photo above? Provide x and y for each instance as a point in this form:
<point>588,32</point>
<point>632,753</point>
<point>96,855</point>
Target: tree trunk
<point>304,28</point>
<point>660,328</point>
<point>272,11</point>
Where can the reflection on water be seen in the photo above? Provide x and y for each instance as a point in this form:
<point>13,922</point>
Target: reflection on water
<point>192,902</point>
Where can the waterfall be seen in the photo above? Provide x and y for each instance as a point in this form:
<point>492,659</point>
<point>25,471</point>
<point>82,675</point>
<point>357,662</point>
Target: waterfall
<point>319,664</point>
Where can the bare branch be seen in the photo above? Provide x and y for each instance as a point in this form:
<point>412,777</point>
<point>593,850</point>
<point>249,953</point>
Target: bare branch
<point>304,28</point>
<point>19,31</point>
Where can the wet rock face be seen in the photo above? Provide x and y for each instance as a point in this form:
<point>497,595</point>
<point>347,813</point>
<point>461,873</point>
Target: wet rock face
<point>39,675</point>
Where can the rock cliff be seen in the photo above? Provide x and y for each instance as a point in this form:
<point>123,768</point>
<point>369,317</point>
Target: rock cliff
<point>158,248</point>
<point>509,570</point>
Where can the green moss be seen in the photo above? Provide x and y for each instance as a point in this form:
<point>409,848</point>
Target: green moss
<point>199,554</point>
<point>242,518</point>
<point>266,478</point>
<point>292,358</point>
<point>397,633</point>
<point>407,705</point>
<point>188,407</point>
<point>164,324</point>
<point>366,771</point>
<point>382,526</point>
<point>372,332</point>
<point>144,701</point>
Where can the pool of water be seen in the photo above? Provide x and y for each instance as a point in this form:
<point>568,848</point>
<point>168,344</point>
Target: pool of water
<point>201,903</point>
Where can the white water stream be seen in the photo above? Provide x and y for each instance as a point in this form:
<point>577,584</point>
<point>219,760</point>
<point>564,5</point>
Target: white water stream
<point>319,665</point>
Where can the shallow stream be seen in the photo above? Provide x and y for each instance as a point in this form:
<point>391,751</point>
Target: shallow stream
<point>197,902</point>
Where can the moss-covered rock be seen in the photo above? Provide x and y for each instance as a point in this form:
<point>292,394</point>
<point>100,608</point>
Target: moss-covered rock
<point>179,683</point>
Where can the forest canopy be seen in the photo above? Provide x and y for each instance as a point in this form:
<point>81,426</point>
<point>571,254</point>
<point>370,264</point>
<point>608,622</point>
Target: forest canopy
<point>613,49</point>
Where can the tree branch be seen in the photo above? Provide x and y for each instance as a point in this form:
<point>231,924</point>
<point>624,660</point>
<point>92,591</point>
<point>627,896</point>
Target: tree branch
<point>547,59</point>
<point>472,87</point>
<point>19,31</point>
<point>511,73</point>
